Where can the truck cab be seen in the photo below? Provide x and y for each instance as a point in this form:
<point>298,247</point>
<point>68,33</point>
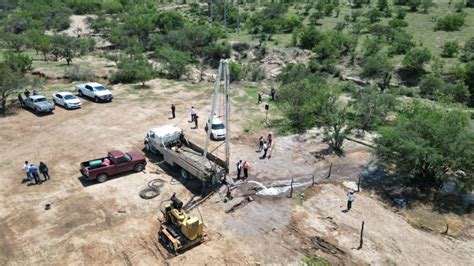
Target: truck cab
<point>217,129</point>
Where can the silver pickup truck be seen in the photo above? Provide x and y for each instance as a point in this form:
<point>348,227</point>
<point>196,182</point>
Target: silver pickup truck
<point>39,104</point>
<point>95,91</point>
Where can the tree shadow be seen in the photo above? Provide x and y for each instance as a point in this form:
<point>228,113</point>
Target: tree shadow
<point>397,193</point>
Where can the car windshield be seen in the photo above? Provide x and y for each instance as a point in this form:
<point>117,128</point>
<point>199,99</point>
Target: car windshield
<point>218,126</point>
<point>40,100</point>
<point>128,156</point>
<point>69,97</point>
<point>100,88</point>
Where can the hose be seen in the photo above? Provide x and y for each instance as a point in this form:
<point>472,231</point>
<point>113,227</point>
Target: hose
<point>153,189</point>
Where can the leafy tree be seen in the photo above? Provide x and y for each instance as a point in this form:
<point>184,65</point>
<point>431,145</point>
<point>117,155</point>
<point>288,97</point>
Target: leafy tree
<point>401,43</point>
<point>314,17</point>
<point>397,23</point>
<point>374,15</point>
<point>20,63</point>
<point>457,92</point>
<point>175,62</point>
<point>376,66</point>
<point>10,82</point>
<point>382,5</point>
<point>216,52</point>
<point>452,22</point>
<point>469,80</point>
<point>336,127</point>
<point>450,49</point>
<point>63,46</point>
<point>431,85</point>
<point>426,146</point>
<point>415,59</point>
<point>468,50</point>
<point>371,46</point>
<point>133,69</point>
<point>334,44</point>
<point>372,107</point>
<point>309,37</point>
<point>306,102</point>
<point>169,20</point>
<point>291,22</point>
<point>16,42</point>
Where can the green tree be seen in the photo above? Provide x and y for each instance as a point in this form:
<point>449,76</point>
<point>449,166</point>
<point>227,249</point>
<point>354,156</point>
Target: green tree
<point>382,5</point>
<point>133,69</point>
<point>306,102</point>
<point>336,127</point>
<point>372,107</point>
<point>426,5</point>
<point>10,82</point>
<point>175,62</point>
<point>401,43</point>
<point>376,66</point>
<point>415,60</point>
<point>431,85</point>
<point>427,145</point>
<point>20,63</point>
<point>371,46</point>
<point>309,37</point>
<point>374,15</point>
<point>16,42</point>
<point>414,4</point>
<point>469,80</point>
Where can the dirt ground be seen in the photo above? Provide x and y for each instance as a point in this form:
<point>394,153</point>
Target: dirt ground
<point>109,223</point>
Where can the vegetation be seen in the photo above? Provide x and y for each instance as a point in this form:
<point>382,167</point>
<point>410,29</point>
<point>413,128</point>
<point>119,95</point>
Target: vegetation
<point>428,146</point>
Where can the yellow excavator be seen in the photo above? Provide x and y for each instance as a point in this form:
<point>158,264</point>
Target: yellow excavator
<point>179,232</point>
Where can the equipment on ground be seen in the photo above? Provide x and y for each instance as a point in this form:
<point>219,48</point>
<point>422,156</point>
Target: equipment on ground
<point>178,231</point>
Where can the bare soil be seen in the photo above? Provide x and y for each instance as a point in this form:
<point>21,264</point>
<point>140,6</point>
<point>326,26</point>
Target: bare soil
<point>109,223</point>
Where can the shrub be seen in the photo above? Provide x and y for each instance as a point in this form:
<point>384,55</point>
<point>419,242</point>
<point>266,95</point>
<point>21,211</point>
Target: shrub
<point>376,66</point>
<point>254,72</point>
<point>78,73</point>
<point>236,72</point>
<point>216,52</point>
<point>18,62</point>
<point>309,37</point>
<point>450,49</point>
<point>175,62</point>
<point>401,43</point>
<point>133,69</point>
<point>397,23</point>
<point>431,85</point>
<point>451,22</point>
<point>240,47</point>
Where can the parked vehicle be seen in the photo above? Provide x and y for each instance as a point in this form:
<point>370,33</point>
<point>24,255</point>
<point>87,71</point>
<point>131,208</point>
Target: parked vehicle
<point>39,104</point>
<point>188,157</point>
<point>217,129</point>
<point>66,100</point>
<point>119,162</point>
<point>95,91</point>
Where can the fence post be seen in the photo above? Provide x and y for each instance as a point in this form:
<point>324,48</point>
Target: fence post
<point>330,170</point>
<point>291,189</point>
<point>361,236</point>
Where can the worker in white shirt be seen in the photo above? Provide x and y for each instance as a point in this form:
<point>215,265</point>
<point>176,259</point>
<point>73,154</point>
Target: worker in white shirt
<point>350,199</point>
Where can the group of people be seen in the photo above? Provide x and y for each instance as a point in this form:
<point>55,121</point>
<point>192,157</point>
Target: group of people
<point>27,94</point>
<point>245,166</point>
<point>32,172</point>
<point>264,145</point>
<point>272,95</point>
<point>194,116</point>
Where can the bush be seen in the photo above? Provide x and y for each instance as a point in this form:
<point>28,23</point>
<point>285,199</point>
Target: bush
<point>133,69</point>
<point>376,66</point>
<point>18,62</point>
<point>175,62</point>
<point>451,22</point>
<point>450,49</point>
<point>397,23</point>
<point>78,73</point>
<point>240,47</point>
<point>216,52</point>
<point>431,85</point>
<point>236,72</point>
<point>309,37</point>
<point>401,43</point>
<point>254,72</point>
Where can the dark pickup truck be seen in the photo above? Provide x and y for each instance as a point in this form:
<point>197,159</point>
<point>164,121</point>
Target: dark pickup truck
<point>119,163</point>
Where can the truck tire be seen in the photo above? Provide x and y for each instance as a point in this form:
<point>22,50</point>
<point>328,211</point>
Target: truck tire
<point>138,167</point>
<point>96,99</point>
<point>147,147</point>
<point>102,178</point>
<point>80,93</point>
<point>36,111</point>
<point>185,175</point>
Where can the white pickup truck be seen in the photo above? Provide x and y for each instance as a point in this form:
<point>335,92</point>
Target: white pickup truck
<point>95,91</point>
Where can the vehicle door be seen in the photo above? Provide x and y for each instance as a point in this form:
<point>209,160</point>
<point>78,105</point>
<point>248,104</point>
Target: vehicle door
<point>29,102</point>
<point>153,140</point>
<point>59,99</point>
<point>90,91</point>
<point>123,164</point>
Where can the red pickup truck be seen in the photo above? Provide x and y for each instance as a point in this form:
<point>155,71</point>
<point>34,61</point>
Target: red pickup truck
<point>115,163</point>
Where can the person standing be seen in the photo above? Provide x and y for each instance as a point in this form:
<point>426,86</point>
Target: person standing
<point>270,139</point>
<point>260,143</point>
<point>43,168</point>
<point>193,114</point>
<point>20,99</point>
<point>173,111</point>
<point>265,149</point>
<point>34,173</point>
<point>350,199</point>
<point>246,167</point>
<point>239,168</point>
<point>26,169</point>
<point>196,121</point>
<point>272,93</point>
<point>27,93</point>
<point>259,98</point>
